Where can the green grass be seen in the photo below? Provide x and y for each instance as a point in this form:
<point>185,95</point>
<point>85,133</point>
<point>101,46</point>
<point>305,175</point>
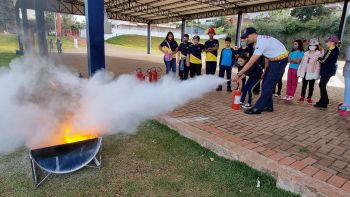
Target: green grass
<point>5,58</point>
<point>136,42</point>
<point>157,161</point>
<point>140,42</point>
<point>9,45</point>
<point>67,43</point>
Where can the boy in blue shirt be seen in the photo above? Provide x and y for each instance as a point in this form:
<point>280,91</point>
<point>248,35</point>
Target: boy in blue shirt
<point>226,62</point>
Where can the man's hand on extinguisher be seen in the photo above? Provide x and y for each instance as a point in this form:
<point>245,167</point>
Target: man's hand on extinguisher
<point>235,78</point>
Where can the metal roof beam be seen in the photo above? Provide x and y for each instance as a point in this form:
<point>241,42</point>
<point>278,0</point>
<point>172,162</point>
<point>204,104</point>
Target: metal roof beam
<point>248,9</point>
<point>116,3</point>
<point>172,8</point>
<point>125,17</point>
<point>140,7</point>
<point>218,3</point>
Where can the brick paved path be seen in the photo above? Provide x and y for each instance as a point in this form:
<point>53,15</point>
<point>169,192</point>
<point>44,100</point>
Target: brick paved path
<point>314,141</point>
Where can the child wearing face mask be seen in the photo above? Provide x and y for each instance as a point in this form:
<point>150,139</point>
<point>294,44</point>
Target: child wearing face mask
<point>294,58</point>
<point>309,70</point>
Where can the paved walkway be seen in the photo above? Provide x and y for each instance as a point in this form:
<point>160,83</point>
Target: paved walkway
<point>313,141</point>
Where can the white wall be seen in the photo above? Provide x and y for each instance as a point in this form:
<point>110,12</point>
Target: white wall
<point>118,32</point>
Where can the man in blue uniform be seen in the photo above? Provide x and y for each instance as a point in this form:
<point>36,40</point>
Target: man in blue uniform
<point>276,59</point>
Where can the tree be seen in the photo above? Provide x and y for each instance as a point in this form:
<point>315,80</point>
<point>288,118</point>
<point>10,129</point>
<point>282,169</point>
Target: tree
<point>306,13</point>
<point>50,21</point>
<point>67,21</point>
<point>7,14</point>
<point>220,22</point>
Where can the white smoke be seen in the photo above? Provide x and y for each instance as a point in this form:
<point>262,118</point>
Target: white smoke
<point>36,96</point>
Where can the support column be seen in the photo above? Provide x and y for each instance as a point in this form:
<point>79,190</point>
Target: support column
<point>149,38</point>
<point>58,32</point>
<point>40,26</point>
<point>19,30</point>
<point>343,20</point>
<point>25,25</point>
<point>183,28</point>
<point>94,16</point>
<point>239,28</point>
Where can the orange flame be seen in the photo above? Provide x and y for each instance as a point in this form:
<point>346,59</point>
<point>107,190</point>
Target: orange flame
<point>77,136</point>
<point>66,133</point>
<point>70,134</point>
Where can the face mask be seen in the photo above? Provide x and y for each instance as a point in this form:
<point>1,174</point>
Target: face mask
<point>312,48</point>
<point>243,44</point>
<point>295,47</point>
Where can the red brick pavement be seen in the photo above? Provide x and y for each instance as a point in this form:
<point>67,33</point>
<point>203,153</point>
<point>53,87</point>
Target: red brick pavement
<point>313,141</point>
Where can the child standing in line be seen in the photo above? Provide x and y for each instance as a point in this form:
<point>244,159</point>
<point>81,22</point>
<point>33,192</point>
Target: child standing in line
<point>328,69</point>
<point>181,57</point>
<point>254,75</point>
<point>226,62</point>
<point>194,57</point>
<point>294,58</point>
<point>309,70</point>
<point>346,73</point>
<point>246,50</point>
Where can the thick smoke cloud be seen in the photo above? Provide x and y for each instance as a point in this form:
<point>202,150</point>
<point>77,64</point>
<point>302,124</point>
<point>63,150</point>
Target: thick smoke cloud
<point>37,96</point>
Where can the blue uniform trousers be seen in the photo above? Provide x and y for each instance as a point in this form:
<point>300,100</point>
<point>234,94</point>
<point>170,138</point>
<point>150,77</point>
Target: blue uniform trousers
<point>271,77</point>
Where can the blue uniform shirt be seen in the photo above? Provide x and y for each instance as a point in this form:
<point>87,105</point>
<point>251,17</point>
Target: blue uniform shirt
<point>295,55</point>
<point>227,57</point>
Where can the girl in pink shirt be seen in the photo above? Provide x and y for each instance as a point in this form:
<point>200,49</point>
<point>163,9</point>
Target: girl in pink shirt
<point>309,70</point>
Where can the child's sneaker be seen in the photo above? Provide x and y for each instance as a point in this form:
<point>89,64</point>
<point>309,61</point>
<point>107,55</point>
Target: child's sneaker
<point>247,106</point>
<point>290,98</point>
<point>229,90</point>
<point>309,101</point>
<point>241,104</point>
<point>219,88</point>
<point>343,110</point>
<point>286,97</point>
<point>301,99</point>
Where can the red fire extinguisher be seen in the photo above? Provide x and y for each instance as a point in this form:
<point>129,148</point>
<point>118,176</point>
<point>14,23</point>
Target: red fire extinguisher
<point>236,99</point>
<point>153,74</point>
<point>139,74</point>
<point>149,75</point>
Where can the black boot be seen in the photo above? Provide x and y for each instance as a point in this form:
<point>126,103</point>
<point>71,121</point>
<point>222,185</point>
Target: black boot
<point>219,88</point>
<point>268,109</point>
<point>253,111</point>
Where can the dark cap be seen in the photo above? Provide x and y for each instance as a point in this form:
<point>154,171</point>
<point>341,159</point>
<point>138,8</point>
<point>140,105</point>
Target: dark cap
<point>248,31</point>
<point>196,37</point>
